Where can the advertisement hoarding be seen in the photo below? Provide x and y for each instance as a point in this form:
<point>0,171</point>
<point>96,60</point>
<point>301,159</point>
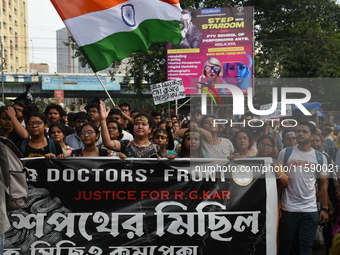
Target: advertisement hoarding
<point>217,49</point>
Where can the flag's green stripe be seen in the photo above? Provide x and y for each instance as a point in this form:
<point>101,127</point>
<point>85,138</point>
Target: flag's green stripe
<point>118,46</point>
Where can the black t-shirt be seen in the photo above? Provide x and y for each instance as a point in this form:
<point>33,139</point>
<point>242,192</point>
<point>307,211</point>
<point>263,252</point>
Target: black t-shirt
<point>29,152</point>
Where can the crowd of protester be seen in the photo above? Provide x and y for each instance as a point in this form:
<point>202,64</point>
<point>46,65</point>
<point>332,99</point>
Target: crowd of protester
<point>306,201</point>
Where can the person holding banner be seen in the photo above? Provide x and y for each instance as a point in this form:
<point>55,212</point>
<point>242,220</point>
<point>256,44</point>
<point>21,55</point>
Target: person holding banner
<point>89,135</point>
<point>161,137</point>
<point>243,142</point>
<point>265,148</point>
<point>191,145</point>
<point>58,133</point>
<point>219,147</point>
<point>38,145</point>
<point>140,147</point>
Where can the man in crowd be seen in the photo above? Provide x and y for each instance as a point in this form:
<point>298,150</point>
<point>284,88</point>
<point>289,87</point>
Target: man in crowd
<point>73,140</point>
<point>116,114</point>
<point>126,115</point>
<point>156,117</point>
<point>19,107</point>
<point>92,110</point>
<point>300,216</point>
<point>173,118</point>
<point>54,113</point>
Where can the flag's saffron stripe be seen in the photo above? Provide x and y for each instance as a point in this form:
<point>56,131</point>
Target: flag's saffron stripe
<point>73,8</point>
<point>100,55</point>
<point>93,27</point>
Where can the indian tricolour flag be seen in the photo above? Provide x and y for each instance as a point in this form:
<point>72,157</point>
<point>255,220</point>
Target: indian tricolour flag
<point>109,30</point>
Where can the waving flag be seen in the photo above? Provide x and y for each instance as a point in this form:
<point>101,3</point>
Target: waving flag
<point>109,30</point>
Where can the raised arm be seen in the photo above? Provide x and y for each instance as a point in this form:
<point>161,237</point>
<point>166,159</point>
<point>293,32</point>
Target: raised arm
<point>108,143</point>
<point>18,128</point>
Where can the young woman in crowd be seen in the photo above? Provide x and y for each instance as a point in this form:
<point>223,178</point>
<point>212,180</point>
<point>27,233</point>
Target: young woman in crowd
<point>175,126</point>
<point>57,132</point>
<point>115,133</point>
<point>161,137</point>
<point>140,147</point>
<point>217,147</point>
<point>242,142</point>
<point>191,145</point>
<point>89,134</point>
<point>38,145</point>
<point>265,148</point>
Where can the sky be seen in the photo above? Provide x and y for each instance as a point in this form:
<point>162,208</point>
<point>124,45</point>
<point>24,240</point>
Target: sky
<point>43,21</point>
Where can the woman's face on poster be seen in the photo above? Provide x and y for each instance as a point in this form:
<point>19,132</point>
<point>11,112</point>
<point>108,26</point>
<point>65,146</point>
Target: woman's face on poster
<point>237,70</point>
<point>212,70</point>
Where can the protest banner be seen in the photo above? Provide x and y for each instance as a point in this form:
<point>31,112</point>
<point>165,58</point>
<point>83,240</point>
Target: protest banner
<point>102,205</point>
<point>167,91</point>
<point>277,113</point>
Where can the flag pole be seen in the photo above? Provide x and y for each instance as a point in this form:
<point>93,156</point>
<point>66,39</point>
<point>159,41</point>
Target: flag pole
<point>105,89</point>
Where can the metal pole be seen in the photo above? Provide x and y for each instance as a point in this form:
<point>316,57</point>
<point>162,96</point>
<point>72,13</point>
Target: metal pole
<point>32,51</point>
<point>2,73</point>
<point>107,93</point>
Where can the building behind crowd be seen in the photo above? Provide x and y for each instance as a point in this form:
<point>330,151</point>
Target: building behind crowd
<point>14,35</point>
<point>66,63</point>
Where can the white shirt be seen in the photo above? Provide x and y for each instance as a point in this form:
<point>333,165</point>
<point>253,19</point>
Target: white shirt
<point>301,169</point>
<point>127,136</point>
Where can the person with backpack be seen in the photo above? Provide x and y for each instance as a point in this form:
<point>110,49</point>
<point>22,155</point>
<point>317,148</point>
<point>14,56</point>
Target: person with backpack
<point>38,145</point>
<point>4,222</point>
<point>299,208</point>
